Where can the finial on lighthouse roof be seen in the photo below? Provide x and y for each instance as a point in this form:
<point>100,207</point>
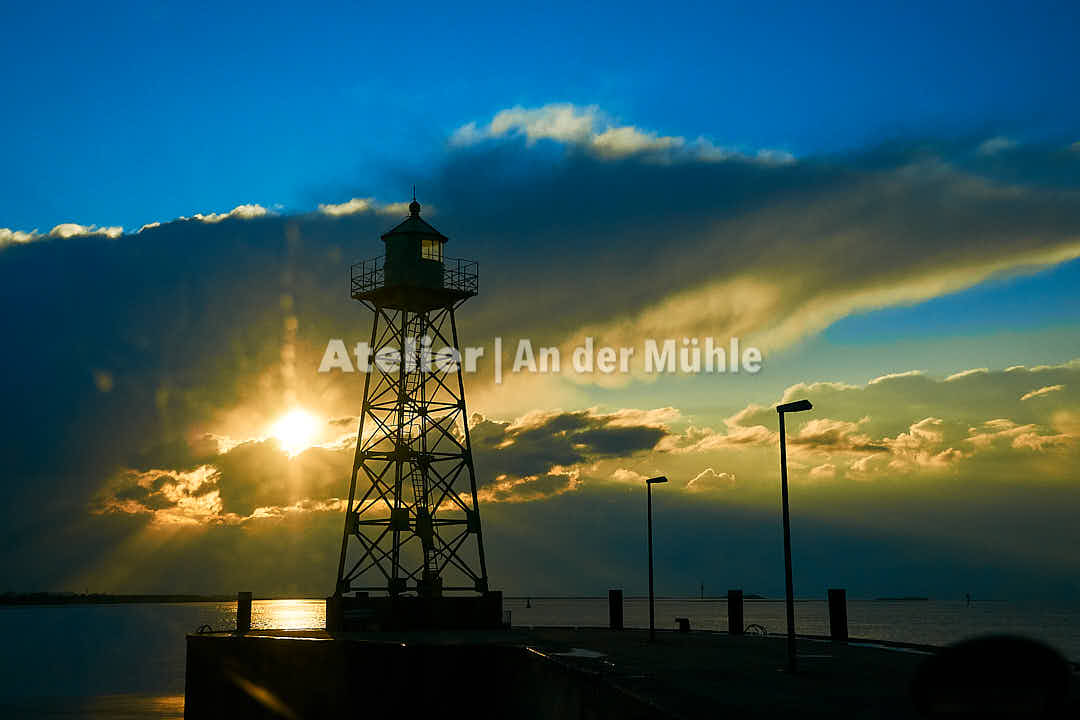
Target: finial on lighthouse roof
<point>414,207</point>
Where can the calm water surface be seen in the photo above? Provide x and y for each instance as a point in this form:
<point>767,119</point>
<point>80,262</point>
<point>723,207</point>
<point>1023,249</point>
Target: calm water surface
<point>127,661</point>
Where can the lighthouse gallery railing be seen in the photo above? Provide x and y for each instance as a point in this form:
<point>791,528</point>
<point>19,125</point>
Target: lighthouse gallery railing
<point>370,275</point>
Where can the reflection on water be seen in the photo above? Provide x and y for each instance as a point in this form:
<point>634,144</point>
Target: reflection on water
<point>134,706</point>
<point>100,707</point>
<point>116,661</point>
<point>288,614</point>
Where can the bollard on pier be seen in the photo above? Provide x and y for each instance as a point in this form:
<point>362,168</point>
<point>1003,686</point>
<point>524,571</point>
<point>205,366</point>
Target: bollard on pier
<point>838,614</point>
<point>735,612</point>
<point>243,612</point>
<point>615,609</point>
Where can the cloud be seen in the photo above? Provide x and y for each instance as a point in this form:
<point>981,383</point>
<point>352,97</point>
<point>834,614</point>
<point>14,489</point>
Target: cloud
<point>826,471</point>
<point>909,428</point>
<point>67,230</point>
<point>627,476</point>
<point>592,130</point>
<point>12,237</point>
<point>506,488</point>
<point>555,446</point>
<point>894,376</point>
<point>252,479</point>
<point>259,474</point>
<point>966,373</point>
<point>349,207</point>
<point>207,331</point>
<point>1041,392</point>
<point>835,435</point>
<point>357,206</point>
<point>698,440</point>
<point>1031,436</point>
<point>531,458</point>
<point>70,230</point>
<point>921,448</point>
<point>242,212</point>
<point>862,237</point>
<point>709,479</point>
<point>995,145</point>
<point>62,231</point>
<point>168,497</point>
<point>870,432</point>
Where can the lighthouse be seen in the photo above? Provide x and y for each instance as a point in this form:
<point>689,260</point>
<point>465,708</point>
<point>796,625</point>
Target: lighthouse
<point>412,548</point>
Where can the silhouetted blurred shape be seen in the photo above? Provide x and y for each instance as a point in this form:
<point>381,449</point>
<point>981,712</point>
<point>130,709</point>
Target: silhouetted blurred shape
<point>243,611</point>
<point>615,609</point>
<point>735,612</point>
<point>838,629</point>
<point>993,676</point>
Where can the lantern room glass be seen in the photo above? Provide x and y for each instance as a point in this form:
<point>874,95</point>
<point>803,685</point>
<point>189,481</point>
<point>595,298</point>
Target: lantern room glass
<point>431,249</point>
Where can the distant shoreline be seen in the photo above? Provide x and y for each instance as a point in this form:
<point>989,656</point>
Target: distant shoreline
<point>44,598</point>
<point>48,598</point>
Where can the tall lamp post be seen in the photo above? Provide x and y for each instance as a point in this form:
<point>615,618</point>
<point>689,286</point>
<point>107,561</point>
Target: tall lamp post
<point>797,406</point>
<point>652,598</point>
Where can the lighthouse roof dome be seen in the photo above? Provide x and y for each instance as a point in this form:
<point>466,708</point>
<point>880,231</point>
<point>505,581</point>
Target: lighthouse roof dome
<point>414,225</point>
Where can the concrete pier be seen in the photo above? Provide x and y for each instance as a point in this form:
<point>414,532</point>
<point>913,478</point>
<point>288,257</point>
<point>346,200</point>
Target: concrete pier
<point>545,673</point>
<point>315,675</point>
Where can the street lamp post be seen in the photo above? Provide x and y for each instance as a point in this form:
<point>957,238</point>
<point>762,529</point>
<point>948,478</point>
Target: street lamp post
<point>797,406</point>
<point>652,598</point>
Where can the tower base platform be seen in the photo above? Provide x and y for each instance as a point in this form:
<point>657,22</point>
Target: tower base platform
<point>346,613</point>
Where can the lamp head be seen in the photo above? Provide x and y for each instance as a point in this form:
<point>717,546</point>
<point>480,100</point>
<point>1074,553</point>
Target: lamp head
<point>655,480</point>
<point>797,406</point>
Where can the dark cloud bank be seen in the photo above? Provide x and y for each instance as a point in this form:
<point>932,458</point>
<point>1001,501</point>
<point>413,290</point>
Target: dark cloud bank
<point>121,352</point>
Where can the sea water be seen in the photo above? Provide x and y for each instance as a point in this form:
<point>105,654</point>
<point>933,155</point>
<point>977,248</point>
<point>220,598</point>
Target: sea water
<point>127,661</point>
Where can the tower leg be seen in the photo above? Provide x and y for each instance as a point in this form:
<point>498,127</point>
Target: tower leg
<point>483,585</point>
<point>357,459</point>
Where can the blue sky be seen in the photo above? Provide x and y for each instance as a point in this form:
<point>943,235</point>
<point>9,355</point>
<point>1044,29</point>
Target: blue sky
<point>883,192</point>
<point>127,113</point>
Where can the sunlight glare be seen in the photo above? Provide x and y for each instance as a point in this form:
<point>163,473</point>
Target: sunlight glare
<point>295,431</point>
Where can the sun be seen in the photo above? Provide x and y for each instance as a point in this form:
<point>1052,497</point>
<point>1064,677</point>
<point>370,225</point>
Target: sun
<point>295,430</point>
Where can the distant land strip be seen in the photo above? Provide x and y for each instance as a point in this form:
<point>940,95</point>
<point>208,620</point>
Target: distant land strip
<point>53,598</point>
<point>68,598</point>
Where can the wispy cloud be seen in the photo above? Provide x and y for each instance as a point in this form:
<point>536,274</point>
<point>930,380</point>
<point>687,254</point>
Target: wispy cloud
<point>590,128</point>
<point>995,145</point>
<point>1041,392</point>
<point>967,373</point>
<point>709,479</point>
<point>63,231</point>
<point>349,207</point>
<point>357,206</point>
<point>242,212</point>
<point>70,230</point>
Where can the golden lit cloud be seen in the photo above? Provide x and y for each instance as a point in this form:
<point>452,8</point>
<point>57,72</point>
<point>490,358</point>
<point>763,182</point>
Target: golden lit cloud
<point>1041,392</point>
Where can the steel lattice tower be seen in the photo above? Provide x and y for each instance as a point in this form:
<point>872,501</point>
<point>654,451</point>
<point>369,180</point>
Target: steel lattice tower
<point>412,523</point>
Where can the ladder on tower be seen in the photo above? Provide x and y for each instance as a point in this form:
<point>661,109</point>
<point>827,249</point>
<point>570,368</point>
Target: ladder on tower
<point>412,433</point>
